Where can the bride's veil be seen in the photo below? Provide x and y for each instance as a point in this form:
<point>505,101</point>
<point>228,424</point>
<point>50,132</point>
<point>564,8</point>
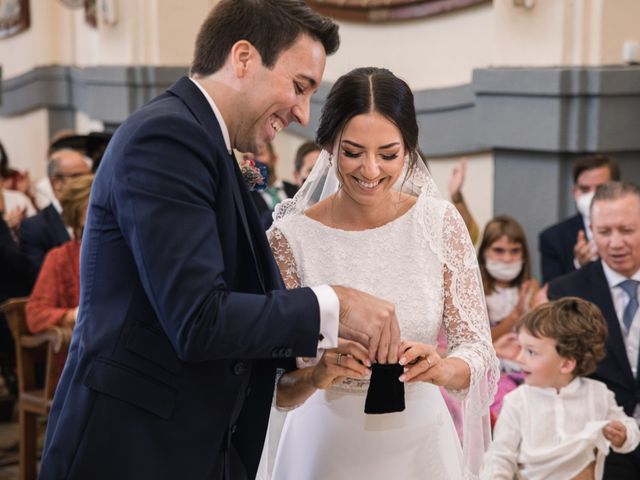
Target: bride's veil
<point>323,182</point>
<point>466,289</point>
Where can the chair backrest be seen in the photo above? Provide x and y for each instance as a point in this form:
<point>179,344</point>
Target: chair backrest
<point>35,355</point>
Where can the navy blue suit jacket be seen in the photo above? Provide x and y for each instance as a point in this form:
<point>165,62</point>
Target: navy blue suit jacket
<point>182,318</point>
<point>590,283</point>
<point>556,247</point>
<point>40,233</point>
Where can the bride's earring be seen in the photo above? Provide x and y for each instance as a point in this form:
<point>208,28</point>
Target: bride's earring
<point>331,160</point>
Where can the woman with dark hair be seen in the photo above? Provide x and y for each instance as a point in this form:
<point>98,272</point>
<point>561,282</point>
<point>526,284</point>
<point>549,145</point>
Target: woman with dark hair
<point>381,226</point>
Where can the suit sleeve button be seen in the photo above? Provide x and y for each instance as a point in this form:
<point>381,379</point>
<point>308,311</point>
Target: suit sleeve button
<point>239,368</point>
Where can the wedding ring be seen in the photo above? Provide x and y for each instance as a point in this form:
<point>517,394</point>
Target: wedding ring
<point>338,359</point>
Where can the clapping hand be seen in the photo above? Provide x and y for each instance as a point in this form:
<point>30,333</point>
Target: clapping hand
<point>615,432</point>
<point>369,321</point>
<point>456,181</point>
<point>14,217</point>
<point>348,360</point>
<point>584,251</point>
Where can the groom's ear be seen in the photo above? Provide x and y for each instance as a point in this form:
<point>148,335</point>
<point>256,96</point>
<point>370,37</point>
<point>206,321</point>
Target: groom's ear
<point>242,54</point>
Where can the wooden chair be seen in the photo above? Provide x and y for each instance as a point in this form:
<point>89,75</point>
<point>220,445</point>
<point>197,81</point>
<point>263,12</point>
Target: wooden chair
<point>47,349</point>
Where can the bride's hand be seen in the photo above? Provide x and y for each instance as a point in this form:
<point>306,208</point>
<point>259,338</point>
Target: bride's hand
<point>348,360</point>
<point>423,364</point>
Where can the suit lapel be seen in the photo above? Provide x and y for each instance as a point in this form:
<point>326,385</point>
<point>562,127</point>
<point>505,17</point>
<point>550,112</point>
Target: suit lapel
<point>193,98</point>
<point>602,296</point>
<point>55,220</point>
<point>242,207</point>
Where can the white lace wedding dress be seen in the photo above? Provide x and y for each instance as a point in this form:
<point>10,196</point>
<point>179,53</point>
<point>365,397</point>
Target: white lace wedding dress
<point>424,263</point>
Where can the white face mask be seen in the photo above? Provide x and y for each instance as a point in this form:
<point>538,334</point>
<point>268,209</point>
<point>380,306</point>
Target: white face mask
<point>504,271</point>
<point>583,204</point>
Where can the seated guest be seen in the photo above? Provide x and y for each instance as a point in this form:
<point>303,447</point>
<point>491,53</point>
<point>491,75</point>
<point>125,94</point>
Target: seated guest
<point>568,245</point>
<point>277,190</point>
<point>505,267</point>
<point>16,277</point>
<point>560,424</point>
<point>55,296</point>
<point>42,232</point>
<point>12,179</point>
<point>306,157</point>
<point>92,145</point>
<point>15,192</point>
<point>612,284</point>
<point>17,207</point>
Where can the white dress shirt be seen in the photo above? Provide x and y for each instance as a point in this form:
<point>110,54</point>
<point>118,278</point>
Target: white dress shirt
<point>327,298</point>
<point>545,434</point>
<point>631,337</point>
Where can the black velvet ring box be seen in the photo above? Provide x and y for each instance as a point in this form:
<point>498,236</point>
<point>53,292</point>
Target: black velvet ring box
<point>386,392</point>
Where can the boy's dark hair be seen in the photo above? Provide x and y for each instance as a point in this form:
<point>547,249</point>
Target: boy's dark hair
<point>271,26</point>
<point>589,162</point>
<point>576,325</point>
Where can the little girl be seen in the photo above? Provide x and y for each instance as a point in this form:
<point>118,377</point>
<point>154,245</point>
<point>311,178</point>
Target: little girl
<point>505,267</point>
<point>559,424</point>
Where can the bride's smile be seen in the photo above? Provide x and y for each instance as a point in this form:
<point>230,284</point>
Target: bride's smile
<point>371,158</point>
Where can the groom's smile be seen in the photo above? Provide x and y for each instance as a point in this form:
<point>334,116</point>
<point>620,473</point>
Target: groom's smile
<point>280,95</point>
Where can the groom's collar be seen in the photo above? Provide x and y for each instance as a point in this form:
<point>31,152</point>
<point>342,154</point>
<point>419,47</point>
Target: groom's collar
<point>216,112</point>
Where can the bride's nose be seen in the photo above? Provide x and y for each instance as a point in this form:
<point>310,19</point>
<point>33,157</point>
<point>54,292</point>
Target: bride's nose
<point>370,167</point>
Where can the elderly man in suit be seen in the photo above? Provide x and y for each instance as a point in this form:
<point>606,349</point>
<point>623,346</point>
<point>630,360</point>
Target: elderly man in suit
<point>183,319</point>
<point>612,283</point>
<point>567,245</point>
<point>45,230</point>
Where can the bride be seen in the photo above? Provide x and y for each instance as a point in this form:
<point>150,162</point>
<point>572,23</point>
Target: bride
<point>370,217</point>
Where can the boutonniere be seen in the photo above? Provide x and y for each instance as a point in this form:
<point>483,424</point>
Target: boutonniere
<point>254,175</point>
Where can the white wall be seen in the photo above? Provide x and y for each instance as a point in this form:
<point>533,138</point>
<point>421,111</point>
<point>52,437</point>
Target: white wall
<point>26,140</point>
<point>433,52</point>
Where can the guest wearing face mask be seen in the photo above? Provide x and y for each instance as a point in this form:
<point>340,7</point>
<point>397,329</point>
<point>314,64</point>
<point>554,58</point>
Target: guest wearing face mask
<point>504,262</point>
<point>567,246</point>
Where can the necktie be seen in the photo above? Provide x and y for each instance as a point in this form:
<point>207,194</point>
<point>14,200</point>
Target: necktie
<point>273,195</point>
<point>631,288</point>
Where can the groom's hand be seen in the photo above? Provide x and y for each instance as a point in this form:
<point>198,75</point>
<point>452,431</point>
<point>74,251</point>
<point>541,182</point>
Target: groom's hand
<point>369,321</point>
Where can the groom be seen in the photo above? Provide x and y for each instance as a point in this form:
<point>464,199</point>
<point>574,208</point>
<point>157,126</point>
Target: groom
<point>183,319</point>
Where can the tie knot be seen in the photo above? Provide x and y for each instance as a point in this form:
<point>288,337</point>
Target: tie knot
<point>631,287</point>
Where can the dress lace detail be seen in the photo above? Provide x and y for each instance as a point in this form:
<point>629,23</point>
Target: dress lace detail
<point>438,282</point>
<point>424,263</point>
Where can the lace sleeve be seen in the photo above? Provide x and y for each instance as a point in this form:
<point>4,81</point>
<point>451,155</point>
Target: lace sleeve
<point>468,336</point>
<point>465,313</point>
<point>284,258</point>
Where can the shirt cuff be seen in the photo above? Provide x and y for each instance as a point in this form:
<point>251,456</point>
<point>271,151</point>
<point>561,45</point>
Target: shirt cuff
<point>329,316</point>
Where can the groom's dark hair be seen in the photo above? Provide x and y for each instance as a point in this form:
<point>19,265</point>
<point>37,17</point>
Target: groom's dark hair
<point>271,26</point>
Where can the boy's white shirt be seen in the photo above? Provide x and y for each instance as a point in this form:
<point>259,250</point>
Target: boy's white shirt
<point>542,433</point>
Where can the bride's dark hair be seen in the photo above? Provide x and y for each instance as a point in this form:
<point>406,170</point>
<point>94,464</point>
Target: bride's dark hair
<point>365,90</point>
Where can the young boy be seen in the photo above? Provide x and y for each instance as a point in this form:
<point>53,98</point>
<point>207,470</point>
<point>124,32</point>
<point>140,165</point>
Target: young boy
<point>558,424</point>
